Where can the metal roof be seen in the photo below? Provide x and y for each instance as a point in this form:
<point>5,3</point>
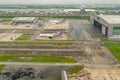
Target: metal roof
<point>90,10</point>
<point>24,18</point>
<point>72,10</point>
<point>111,19</point>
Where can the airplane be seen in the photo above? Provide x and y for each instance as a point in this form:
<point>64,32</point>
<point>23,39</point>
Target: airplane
<point>52,35</point>
<point>57,21</point>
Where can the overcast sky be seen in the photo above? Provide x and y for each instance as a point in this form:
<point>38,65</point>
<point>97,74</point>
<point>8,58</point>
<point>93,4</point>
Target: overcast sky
<point>59,1</point>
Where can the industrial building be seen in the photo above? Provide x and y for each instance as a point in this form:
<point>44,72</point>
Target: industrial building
<point>109,25</point>
<point>25,19</point>
<point>90,11</point>
<point>73,11</point>
<point>81,11</point>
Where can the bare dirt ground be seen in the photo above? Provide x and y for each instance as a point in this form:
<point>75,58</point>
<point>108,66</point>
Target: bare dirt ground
<point>9,36</point>
<point>22,26</point>
<point>96,74</point>
<point>64,25</point>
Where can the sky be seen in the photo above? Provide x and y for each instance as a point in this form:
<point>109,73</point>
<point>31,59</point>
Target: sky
<point>59,1</point>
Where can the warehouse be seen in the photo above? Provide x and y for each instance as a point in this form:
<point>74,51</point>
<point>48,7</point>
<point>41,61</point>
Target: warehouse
<point>73,11</point>
<point>109,25</point>
<point>81,11</point>
<point>25,19</point>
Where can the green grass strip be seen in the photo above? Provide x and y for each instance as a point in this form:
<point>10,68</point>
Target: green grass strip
<point>2,67</point>
<point>76,69</point>
<point>114,47</point>
<point>24,37</point>
<point>37,43</point>
<point>34,58</point>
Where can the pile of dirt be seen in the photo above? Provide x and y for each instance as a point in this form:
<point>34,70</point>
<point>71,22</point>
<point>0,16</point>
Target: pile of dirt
<point>21,74</point>
<point>31,73</point>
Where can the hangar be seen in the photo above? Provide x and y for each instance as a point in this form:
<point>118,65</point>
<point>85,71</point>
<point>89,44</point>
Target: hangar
<point>25,19</point>
<point>109,25</point>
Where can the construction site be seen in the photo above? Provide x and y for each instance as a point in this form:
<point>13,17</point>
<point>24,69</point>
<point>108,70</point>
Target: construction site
<point>87,48</point>
<point>32,25</point>
<point>96,74</point>
<point>9,36</point>
<point>13,29</point>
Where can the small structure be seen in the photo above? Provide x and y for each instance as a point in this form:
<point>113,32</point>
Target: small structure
<point>25,19</point>
<point>64,75</point>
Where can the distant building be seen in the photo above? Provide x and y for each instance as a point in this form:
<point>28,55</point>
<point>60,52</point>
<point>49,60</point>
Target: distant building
<point>81,11</point>
<point>90,10</point>
<point>109,25</point>
<point>25,19</point>
<point>74,11</point>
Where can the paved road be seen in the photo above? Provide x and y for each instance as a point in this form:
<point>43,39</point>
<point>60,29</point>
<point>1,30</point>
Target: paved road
<point>25,49</point>
<point>78,30</point>
<point>37,33</point>
<point>58,64</point>
<point>84,34</point>
<point>41,64</point>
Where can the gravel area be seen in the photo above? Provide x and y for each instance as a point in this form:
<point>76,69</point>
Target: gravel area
<point>32,72</point>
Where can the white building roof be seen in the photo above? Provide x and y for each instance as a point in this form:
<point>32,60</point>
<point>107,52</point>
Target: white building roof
<point>78,10</point>
<point>24,18</point>
<point>111,19</point>
<point>68,10</point>
<point>90,10</point>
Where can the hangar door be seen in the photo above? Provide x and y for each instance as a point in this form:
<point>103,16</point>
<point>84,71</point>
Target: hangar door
<point>116,30</point>
<point>98,25</point>
<point>103,30</point>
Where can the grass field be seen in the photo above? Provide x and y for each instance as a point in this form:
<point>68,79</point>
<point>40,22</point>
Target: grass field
<point>2,67</point>
<point>85,17</point>
<point>106,9</point>
<point>114,47</point>
<point>73,17</point>
<point>6,21</point>
<point>36,43</point>
<point>76,69</point>
<point>24,37</point>
<point>34,58</point>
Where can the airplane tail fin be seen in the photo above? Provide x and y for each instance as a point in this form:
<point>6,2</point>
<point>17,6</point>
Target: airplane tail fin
<point>59,33</point>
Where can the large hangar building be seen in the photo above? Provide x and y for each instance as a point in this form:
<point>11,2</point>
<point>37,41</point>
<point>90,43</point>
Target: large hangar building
<point>109,25</point>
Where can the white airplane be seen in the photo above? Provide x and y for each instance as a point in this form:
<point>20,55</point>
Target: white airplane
<point>57,21</point>
<point>51,35</point>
